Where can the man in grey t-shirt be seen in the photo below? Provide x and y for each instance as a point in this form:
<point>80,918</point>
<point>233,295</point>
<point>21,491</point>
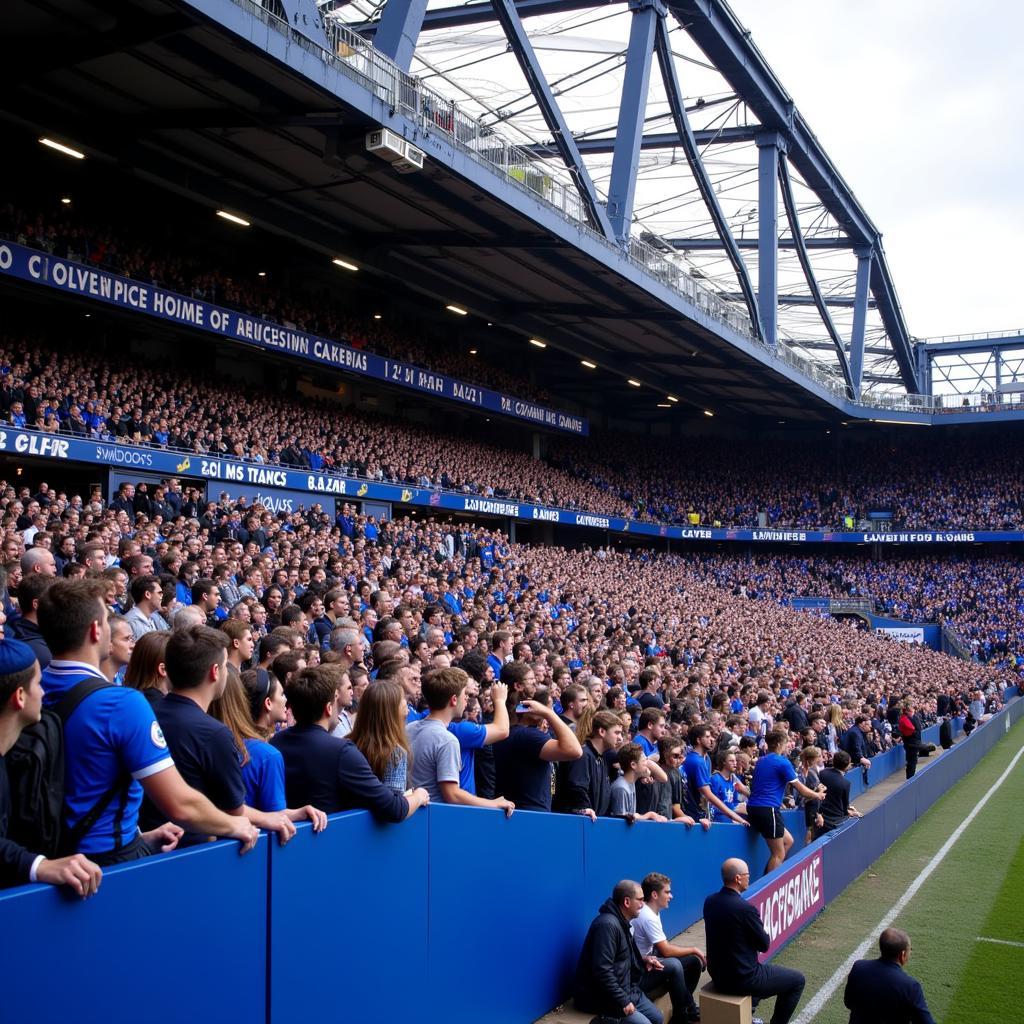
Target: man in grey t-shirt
<point>435,755</point>
<point>436,759</point>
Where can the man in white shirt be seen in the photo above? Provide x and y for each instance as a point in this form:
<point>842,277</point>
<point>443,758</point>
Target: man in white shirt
<point>682,964</point>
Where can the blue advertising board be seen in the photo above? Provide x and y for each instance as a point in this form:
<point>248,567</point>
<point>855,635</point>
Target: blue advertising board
<point>326,486</point>
<point>137,296</point>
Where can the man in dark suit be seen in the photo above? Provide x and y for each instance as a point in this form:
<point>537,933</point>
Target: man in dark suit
<point>878,992</point>
<point>735,935</point>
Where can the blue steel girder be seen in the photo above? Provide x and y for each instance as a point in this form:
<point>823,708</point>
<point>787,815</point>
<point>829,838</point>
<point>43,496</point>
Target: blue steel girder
<point>479,13</point>
<point>973,344</point>
<point>304,17</point>
<point>524,53</point>
<point>805,263</point>
<point>716,30</point>
<point>700,244</point>
<point>658,140</point>
<point>768,147</point>
<point>682,125</point>
<point>632,106</point>
<point>399,28</point>
<point>865,257</point>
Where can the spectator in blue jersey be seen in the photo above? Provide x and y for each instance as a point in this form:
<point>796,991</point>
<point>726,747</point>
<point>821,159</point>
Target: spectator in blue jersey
<point>727,785</point>
<point>256,691</point>
<point>323,771</point>
<point>696,772</point>
<point>651,729</point>
<point>773,773</point>
<point>204,748</point>
<point>501,650</point>
<point>525,760</point>
<point>21,703</point>
<point>436,760</point>
<point>114,748</point>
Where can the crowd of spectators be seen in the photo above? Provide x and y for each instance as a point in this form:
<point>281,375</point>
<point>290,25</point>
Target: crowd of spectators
<point>149,257</point>
<point>54,389</point>
<point>606,663</point>
<point>980,598</point>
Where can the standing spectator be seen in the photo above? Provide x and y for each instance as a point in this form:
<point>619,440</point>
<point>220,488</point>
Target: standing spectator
<point>26,626</point>
<point>610,971</point>
<point>855,741</point>
<point>696,772</point>
<point>583,786</point>
<point>323,771</point>
<point>727,785</point>
<point>21,703</point>
<point>379,733</point>
<point>735,936</point>
<point>147,671</point>
<point>835,805</point>
<point>634,767</point>
<point>203,747</point>
<point>772,774</point>
<point>119,653</point>
<point>525,760</point>
<point>113,732</point>
<point>682,965</point>
<point>436,761</point>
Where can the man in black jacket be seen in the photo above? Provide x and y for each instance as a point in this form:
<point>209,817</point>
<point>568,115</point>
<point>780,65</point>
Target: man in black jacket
<point>582,786</point>
<point>610,966</point>
<point>879,991</point>
<point>735,935</point>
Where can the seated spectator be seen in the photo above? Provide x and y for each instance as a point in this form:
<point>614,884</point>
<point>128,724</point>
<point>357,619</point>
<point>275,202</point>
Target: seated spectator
<point>634,767</point>
<point>525,760</point>
<point>582,786</point>
<point>325,772</point>
<point>21,703</point>
<point>681,965</point>
<point>147,600</point>
<point>610,972</point>
<point>436,761</point>
<point>112,732</point>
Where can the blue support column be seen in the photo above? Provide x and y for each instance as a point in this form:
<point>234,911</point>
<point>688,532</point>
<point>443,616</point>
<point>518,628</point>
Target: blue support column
<point>768,146</point>
<point>681,122</point>
<point>998,354</point>
<point>924,368</point>
<point>304,17</point>
<point>632,106</point>
<point>398,30</point>
<point>860,319</point>
<point>512,24</point>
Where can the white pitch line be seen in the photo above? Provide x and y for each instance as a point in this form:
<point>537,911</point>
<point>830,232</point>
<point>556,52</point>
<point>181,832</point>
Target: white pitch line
<point>1000,942</point>
<point>825,993</point>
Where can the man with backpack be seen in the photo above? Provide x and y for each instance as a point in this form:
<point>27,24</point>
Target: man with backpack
<point>111,745</point>
<point>21,702</point>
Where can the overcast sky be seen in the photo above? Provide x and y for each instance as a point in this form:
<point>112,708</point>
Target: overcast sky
<point>917,102</point>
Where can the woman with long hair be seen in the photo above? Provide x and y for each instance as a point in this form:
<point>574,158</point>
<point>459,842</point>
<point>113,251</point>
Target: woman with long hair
<point>146,670</point>
<point>379,733</point>
<point>273,601</point>
<point>262,764</point>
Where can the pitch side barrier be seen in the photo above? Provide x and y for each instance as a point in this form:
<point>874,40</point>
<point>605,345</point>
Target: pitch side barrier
<point>793,896</point>
<point>454,915</point>
<point>291,484</point>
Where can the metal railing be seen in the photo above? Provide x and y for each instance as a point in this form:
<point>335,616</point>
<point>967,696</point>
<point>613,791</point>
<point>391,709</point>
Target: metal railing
<point>432,113</point>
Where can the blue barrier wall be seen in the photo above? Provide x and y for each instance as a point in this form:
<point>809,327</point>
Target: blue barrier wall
<point>185,931</point>
<point>456,915</point>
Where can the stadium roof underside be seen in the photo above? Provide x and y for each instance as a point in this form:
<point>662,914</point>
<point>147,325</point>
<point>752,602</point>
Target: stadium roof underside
<point>718,160</point>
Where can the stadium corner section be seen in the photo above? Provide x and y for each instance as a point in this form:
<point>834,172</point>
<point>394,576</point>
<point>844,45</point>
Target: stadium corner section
<point>791,898</point>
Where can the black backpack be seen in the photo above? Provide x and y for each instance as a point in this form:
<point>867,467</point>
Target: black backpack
<point>35,769</point>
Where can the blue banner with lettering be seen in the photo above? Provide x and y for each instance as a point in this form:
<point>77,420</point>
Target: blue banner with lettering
<point>76,279</point>
<point>248,475</point>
